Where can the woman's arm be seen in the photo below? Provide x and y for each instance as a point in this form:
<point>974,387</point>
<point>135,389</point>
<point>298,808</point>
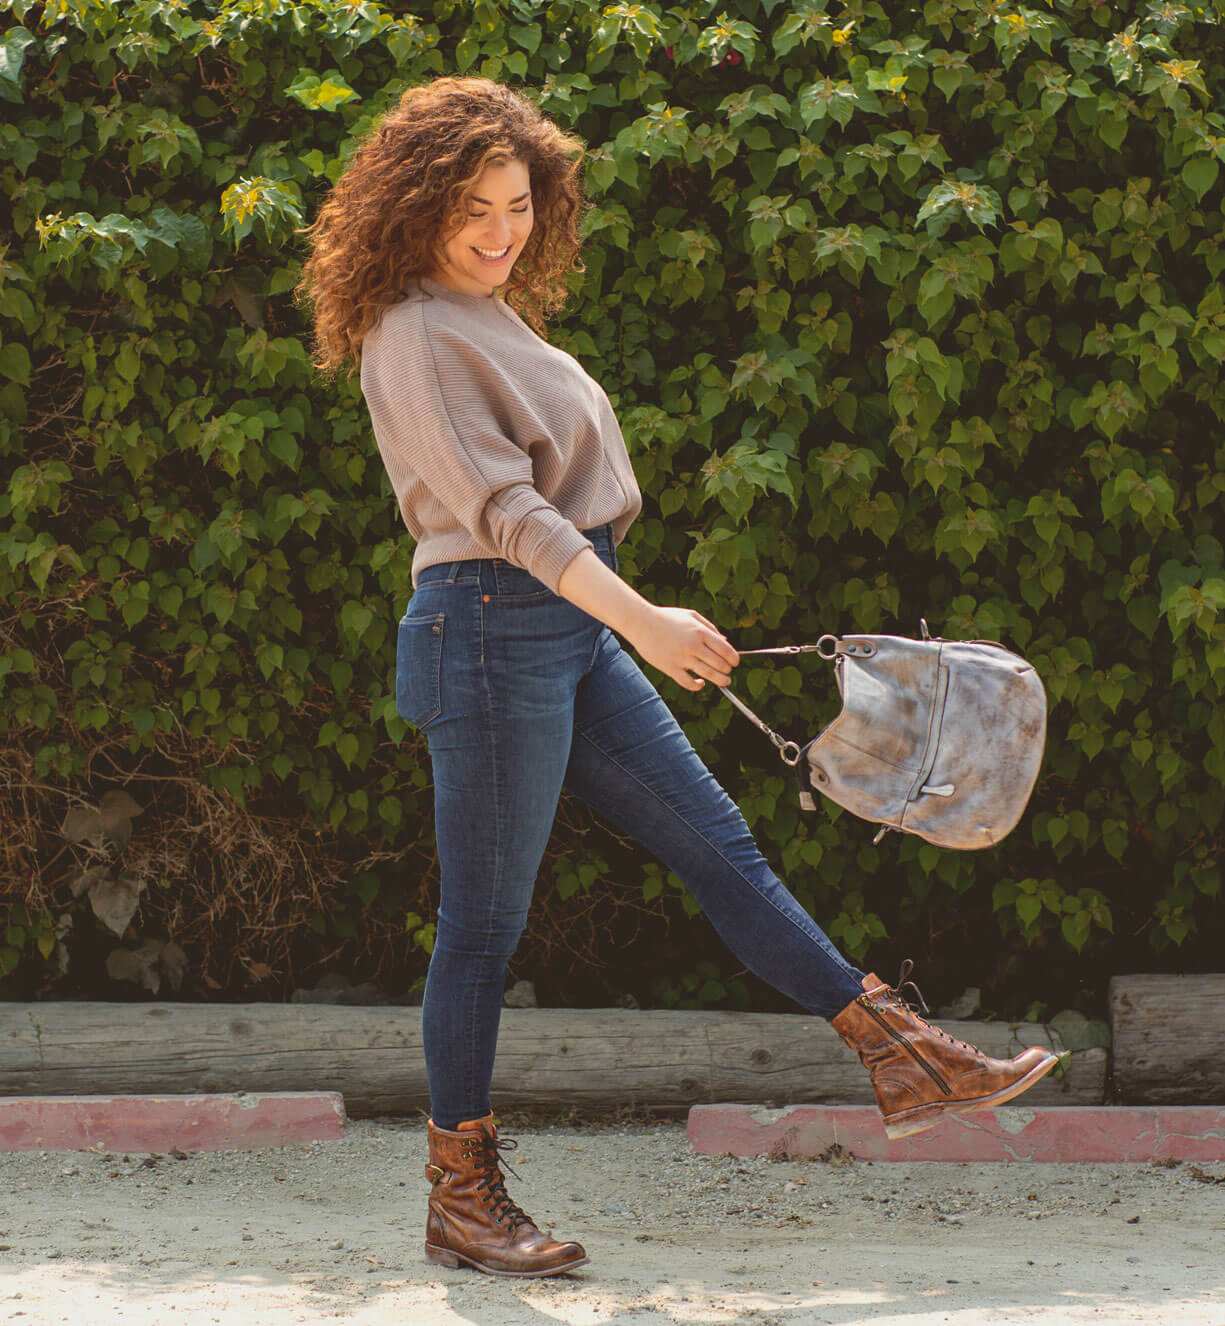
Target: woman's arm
<point>678,641</point>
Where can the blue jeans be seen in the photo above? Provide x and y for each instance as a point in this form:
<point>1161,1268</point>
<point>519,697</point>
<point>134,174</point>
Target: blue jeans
<point>521,693</point>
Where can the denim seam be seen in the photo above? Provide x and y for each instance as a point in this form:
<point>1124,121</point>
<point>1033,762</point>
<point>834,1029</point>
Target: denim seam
<point>492,728</point>
<point>595,649</point>
<point>827,947</point>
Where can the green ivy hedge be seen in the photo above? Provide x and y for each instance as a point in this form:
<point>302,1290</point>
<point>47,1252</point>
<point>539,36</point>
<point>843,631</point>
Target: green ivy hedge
<point>905,310</point>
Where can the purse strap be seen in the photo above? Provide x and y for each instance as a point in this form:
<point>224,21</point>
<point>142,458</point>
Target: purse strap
<point>789,751</point>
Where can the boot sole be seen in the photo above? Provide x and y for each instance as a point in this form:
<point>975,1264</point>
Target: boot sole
<point>927,1116</point>
<point>445,1257</point>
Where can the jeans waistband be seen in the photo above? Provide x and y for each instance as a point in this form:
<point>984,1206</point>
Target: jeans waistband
<point>601,537</point>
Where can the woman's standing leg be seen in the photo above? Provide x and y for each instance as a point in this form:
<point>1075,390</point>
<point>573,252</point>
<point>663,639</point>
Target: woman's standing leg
<point>488,664</point>
<point>507,668</point>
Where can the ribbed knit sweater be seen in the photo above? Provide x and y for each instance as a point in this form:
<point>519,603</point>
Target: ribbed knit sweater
<point>497,444</point>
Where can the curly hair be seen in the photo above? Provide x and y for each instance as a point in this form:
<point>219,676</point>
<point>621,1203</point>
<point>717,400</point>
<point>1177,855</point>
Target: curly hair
<point>405,191</point>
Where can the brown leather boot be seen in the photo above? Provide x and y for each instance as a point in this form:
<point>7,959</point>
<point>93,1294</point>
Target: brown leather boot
<point>472,1218</point>
<point>921,1074</point>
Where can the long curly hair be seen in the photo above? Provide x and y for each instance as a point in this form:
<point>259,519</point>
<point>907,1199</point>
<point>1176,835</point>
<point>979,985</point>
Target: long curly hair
<point>405,192</point>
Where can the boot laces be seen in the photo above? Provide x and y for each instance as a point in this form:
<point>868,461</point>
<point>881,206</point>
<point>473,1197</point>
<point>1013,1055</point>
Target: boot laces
<point>485,1152</point>
<point>897,992</point>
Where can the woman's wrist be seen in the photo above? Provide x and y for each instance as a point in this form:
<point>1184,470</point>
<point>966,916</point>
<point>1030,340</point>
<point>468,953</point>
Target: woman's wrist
<point>591,585</point>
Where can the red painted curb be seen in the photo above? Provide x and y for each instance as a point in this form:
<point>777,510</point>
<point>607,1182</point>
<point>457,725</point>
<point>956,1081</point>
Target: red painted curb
<point>163,1123</point>
<point>1054,1134</point>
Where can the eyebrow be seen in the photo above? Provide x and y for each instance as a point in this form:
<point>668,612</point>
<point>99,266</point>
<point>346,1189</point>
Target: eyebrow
<point>487,203</point>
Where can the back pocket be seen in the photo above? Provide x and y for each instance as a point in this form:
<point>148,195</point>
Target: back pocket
<point>419,669</point>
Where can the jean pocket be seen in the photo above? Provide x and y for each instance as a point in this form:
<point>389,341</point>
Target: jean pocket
<point>419,668</point>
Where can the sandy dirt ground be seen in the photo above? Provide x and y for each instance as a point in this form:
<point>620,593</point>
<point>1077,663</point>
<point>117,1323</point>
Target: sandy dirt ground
<point>333,1232</point>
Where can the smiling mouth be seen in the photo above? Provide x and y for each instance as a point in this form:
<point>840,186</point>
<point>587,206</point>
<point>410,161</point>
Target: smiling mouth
<point>490,257</point>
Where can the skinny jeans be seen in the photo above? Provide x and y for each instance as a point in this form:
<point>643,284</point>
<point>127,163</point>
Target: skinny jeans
<point>520,693</point>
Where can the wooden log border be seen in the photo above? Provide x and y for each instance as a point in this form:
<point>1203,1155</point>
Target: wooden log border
<point>1169,1039</point>
<point>603,1058</point>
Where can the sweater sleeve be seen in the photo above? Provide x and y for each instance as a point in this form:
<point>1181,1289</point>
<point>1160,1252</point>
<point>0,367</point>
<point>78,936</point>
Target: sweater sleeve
<point>478,473</point>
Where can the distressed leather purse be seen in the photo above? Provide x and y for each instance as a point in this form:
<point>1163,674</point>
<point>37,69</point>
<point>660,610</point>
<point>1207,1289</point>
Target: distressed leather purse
<point>939,738</point>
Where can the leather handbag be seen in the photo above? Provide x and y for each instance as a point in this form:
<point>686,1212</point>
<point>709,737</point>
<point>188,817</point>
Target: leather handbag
<point>939,738</point>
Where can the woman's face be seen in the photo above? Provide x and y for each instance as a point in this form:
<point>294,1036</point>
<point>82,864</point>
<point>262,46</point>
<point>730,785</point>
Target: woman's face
<point>499,222</point>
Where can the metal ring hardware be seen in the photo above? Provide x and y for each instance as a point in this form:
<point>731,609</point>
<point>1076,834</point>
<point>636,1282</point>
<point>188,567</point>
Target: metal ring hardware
<point>829,658</point>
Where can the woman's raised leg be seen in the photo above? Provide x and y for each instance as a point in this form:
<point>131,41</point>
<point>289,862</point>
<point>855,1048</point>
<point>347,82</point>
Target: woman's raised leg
<point>631,761</point>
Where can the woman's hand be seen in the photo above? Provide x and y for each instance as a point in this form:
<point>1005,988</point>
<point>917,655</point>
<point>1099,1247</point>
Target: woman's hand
<point>677,641</point>
<point>680,641</point>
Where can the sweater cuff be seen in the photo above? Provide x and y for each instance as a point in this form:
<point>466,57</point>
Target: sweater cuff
<point>556,553</point>
<point>541,539</point>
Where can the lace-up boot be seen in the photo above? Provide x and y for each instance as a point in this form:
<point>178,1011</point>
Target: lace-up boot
<point>471,1217</point>
<point>920,1073</point>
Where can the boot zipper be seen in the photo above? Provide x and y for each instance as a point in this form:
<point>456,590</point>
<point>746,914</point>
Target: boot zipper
<point>901,1040</point>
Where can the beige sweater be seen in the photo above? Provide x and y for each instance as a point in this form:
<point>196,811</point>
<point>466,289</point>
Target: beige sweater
<point>497,444</point>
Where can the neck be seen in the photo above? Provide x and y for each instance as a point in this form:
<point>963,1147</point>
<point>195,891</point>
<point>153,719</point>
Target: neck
<point>473,291</point>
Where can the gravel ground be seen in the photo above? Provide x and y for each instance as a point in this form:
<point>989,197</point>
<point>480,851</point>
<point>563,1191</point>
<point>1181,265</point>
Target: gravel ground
<point>333,1233</point>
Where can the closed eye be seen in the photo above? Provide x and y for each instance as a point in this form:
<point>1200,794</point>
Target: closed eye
<point>476,216</point>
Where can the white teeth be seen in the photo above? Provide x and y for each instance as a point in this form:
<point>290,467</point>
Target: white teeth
<point>493,253</point>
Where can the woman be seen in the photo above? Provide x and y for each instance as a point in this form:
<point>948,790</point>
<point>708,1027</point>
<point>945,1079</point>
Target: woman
<point>512,476</point>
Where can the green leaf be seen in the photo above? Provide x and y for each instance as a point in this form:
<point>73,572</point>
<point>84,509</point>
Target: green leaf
<point>1075,930</point>
<point>13,46</point>
<point>356,618</point>
<point>1028,908</point>
<point>1199,174</point>
<point>15,362</point>
<point>325,92</point>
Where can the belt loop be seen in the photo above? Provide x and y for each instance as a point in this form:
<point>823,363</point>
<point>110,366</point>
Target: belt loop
<point>452,572</point>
